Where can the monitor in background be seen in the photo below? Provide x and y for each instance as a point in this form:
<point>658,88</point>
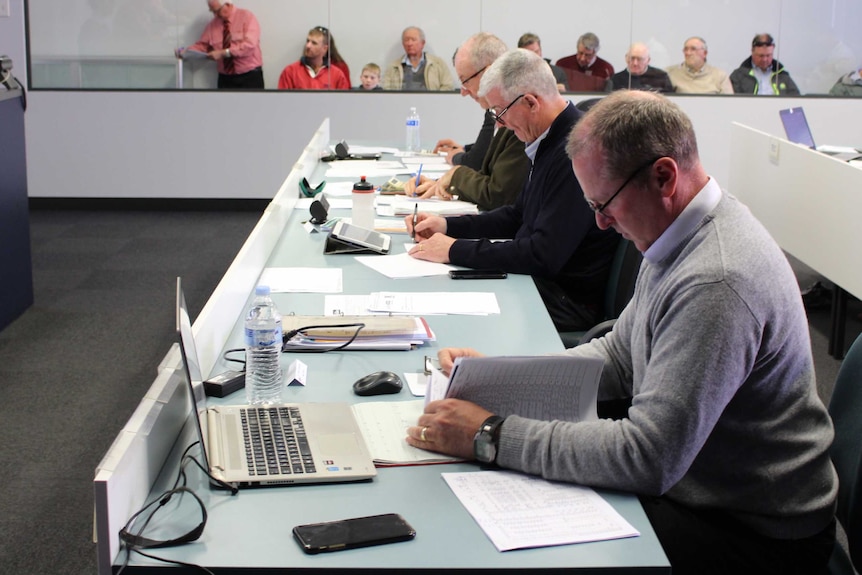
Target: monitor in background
<point>796,127</point>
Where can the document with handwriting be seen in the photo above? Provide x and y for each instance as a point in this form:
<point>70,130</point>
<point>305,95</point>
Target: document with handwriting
<point>548,387</point>
<point>518,511</point>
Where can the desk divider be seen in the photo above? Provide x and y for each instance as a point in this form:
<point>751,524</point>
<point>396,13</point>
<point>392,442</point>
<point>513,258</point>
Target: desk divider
<point>132,464</point>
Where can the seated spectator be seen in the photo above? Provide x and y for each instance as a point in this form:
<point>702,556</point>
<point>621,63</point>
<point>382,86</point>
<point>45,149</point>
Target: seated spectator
<point>335,59</point>
<point>586,61</point>
<point>531,42</point>
<point>848,85</point>
<point>639,75</point>
<point>312,71</point>
<point>694,75</point>
<point>370,78</point>
<point>417,70</point>
<point>761,73</point>
<point>505,166</point>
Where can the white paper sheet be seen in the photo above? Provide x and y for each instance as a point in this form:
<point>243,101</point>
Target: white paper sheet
<point>435,303</point>
<point>518,511</point>
<point>313,280</point>
<point>403,266</point>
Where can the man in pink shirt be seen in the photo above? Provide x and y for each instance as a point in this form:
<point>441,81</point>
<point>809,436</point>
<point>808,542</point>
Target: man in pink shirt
<point>232,39</point>
<point>313,70</point>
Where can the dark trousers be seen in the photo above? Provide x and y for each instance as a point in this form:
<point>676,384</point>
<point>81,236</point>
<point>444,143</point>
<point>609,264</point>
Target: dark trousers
<point>251,80</point>
<point>711,542</point>
<point>567,314</point>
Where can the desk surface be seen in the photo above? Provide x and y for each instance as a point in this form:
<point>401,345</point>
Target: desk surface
<point>253,529</point>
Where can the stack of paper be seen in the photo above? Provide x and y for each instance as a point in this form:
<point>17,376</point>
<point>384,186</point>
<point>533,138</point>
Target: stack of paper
<point>404,206</point>
<point>413,303</point>
<point>378,333</point>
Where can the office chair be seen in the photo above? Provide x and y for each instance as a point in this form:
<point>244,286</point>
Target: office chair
<point>618,292</point>
<point>845,407</point>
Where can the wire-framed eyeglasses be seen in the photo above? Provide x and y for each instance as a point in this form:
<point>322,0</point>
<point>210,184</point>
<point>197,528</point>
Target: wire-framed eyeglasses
<point>499,117</point>
<point>599,208</point>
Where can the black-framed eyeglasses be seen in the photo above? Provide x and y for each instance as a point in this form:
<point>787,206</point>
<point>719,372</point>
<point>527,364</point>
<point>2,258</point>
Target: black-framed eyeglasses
<point>482,69</point>
<point>599,208</point>
<point>499,117</point>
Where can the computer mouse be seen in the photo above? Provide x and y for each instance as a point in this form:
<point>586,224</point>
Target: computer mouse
<point>378,383</point>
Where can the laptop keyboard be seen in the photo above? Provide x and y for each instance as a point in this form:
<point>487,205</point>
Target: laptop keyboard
<point>275,441</point>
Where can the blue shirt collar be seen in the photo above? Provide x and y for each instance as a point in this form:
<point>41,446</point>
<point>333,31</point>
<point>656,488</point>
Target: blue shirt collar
<point>690,218</point>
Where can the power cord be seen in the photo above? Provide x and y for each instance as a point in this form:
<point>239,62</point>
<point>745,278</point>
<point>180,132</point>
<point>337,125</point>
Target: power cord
<point>294,332</point>
<point>133,540</point>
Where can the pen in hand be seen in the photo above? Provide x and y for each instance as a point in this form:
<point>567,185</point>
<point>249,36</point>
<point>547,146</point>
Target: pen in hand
<point>415,220</point>
<point>418,175</point>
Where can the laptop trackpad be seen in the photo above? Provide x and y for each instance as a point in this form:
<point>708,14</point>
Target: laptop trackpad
<point>337,445</point>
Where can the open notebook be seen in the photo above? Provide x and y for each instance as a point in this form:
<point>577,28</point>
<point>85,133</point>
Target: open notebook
<point>278,444</point>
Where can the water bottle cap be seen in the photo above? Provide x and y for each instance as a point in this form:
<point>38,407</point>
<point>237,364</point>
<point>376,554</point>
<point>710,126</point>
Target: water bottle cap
<point>261,290</point>
<point>363,187</point>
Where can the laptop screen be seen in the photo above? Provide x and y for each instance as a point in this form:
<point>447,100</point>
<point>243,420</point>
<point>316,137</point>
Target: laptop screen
<point>796,127</point>
<point>191,368</point>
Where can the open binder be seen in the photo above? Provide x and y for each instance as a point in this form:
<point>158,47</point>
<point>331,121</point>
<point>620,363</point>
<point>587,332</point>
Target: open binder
<point>379,332</point>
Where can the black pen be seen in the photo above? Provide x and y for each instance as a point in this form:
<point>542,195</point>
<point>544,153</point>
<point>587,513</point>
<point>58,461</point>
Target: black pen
<point>415,220</point>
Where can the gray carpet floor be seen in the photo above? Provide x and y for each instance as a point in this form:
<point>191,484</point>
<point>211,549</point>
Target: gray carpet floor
<point>74,366</point>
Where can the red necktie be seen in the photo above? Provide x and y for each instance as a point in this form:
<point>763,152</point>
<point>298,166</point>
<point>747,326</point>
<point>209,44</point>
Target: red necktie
<point>228,62</point>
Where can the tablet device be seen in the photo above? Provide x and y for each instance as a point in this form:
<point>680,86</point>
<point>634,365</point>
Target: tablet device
<point>361,237</point>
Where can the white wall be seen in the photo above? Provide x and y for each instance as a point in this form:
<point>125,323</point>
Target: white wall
<point>173,144</point>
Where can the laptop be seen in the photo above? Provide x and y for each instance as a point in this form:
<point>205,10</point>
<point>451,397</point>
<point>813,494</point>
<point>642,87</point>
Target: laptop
<point>271,445</point>
<point>798,131</point>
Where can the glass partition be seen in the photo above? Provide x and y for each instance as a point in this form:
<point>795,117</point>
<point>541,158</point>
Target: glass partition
<point>130,44</point>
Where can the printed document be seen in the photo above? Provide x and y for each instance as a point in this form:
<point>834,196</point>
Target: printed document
<point>518,511</point>
<point>314,280</point>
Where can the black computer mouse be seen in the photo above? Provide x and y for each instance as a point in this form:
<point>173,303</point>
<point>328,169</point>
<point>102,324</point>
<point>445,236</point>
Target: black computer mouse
<point>378,383</point>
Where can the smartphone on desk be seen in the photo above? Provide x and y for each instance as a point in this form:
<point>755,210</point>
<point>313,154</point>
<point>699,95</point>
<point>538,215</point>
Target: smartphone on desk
<point>477,274</point>
<point>353,533</point>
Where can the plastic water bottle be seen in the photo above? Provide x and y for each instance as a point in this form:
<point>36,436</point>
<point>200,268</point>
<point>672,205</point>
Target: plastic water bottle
<point>263,377</point>
<point>413,143</point>
<point>362,214</point>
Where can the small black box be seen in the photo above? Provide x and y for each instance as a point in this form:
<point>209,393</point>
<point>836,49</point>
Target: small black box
<point>224,384</point>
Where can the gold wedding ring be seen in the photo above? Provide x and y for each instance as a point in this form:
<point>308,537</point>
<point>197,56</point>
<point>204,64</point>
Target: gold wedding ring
<point>422,435</point>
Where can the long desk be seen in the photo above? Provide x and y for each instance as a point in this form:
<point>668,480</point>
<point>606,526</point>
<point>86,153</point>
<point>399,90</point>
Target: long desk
<point>252,531</point>
<point>810,203</point>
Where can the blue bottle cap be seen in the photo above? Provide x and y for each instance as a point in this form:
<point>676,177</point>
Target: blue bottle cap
<point>261,290</point>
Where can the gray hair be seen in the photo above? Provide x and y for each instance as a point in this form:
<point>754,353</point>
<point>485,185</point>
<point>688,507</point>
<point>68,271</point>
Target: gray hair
<point>628,128</point>
<point>483,49</point>
<point>699,39</point>
<point>417,28</point>
<point>519,71</point>
<point>590,41</point>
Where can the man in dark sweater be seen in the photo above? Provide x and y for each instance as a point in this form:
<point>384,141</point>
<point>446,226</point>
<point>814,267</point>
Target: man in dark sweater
<point>553,233</point>
<point>639,75</point>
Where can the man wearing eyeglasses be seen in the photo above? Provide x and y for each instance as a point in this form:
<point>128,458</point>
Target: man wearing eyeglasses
<point>232,39</point>
<point>554,237</point>
<point>586,61</point>
<point>639,75</point>
<point>761,73</point>
<point>726,439</point>
<point>505,166</point>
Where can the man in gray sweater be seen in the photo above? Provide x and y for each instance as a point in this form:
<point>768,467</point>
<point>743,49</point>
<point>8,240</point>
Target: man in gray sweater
<point>726,439</point>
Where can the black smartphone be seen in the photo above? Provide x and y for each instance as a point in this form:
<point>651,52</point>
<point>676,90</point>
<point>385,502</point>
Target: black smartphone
<point>352,533</point>
<point>477,274</point>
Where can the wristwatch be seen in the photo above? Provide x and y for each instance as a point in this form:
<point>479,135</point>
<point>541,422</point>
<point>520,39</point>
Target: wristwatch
<point>485,440</point>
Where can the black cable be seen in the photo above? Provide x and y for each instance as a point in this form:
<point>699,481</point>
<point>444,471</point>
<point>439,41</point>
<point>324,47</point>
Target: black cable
<point>134,541</point>
<point>293,333</point>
